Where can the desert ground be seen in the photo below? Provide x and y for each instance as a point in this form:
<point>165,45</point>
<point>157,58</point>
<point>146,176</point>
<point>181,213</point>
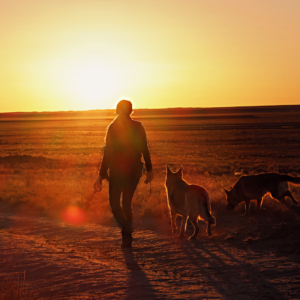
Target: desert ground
<point>51,249</point>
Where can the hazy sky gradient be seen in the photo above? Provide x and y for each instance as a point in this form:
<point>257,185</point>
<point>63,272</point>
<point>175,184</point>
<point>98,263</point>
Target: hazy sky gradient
<point>80,55</point>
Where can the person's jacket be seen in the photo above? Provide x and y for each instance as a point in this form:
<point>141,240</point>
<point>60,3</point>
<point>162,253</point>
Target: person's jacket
<point>126,142</point>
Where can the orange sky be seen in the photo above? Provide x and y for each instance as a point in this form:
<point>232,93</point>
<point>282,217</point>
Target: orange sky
<point>81,55</point>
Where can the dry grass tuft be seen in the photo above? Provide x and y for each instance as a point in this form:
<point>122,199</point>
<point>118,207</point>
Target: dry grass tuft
<point>49,190</point>
<point>13,289</point>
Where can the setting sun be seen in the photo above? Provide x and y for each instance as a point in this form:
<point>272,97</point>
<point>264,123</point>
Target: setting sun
<point>91,81</point>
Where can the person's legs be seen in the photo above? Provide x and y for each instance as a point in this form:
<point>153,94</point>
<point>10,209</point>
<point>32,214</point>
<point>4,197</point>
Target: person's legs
<point>115,190</point>
<point>128,192</point>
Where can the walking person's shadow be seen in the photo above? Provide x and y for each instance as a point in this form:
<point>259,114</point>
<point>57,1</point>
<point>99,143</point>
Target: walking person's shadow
<point>139,287</point>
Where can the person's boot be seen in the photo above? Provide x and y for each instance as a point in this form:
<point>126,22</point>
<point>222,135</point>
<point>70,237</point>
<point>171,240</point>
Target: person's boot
<point>122,221</point>
<point>126,239</point>
<point>127,233</point>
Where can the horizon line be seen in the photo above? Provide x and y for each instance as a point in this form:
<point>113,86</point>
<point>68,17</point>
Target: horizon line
<point>165,108</point>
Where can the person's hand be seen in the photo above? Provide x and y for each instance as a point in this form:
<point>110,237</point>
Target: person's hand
<point>149,177</point>
<point>98,184</point>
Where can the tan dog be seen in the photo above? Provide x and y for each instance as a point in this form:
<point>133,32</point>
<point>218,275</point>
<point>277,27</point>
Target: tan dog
<point>255,187</point>
<point>189,201</point>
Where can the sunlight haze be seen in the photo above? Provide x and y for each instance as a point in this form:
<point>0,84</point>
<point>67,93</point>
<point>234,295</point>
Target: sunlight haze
<point>83,55</point>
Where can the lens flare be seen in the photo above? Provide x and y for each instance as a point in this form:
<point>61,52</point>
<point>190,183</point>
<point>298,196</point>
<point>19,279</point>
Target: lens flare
<point>74,215</point>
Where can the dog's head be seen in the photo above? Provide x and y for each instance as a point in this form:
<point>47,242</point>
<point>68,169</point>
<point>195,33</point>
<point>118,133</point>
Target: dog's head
<point>232,201</point>
<point>173,176</point>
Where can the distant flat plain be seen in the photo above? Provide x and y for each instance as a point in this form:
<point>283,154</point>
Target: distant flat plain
<point>217,140</point>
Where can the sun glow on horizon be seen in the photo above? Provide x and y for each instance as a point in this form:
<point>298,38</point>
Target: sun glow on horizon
<point>85,80</point>
<point>92,81</point>
<point>170,54</point>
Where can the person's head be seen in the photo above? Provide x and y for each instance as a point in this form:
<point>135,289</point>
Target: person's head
<point>124,107</point>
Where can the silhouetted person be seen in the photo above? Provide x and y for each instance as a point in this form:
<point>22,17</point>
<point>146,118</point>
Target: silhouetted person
<point>126,142</point>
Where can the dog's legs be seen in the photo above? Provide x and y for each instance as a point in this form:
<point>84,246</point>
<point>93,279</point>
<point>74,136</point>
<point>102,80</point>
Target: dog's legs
<point>282,202</point>
<point>247,207</point>
<point>173,221</point>
<point>288,194</point>
<point>258,204</point>
<point>280,198</point>
<point>196,227</point>
<point>209,233</point>
<point>183,225</point>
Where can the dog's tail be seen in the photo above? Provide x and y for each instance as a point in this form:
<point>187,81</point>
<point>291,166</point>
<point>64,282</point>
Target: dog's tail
<point>209,218</point>
<point>291,179</point>
<point>204,204</point>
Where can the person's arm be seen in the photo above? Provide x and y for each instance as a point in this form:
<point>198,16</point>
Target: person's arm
<point>106,153</point>
<point>146,155</point>
<point>105,163</point>
<point>145,149</point>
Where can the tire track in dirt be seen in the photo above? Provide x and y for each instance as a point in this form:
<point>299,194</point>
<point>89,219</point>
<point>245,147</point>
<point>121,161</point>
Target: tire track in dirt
<point>62,262</point>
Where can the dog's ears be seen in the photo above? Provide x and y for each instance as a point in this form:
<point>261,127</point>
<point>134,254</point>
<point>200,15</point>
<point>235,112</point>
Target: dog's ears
<point>180,171</point>
<point>168,170</point>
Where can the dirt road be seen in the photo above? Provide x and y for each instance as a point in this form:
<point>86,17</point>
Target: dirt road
<point>66,262</point>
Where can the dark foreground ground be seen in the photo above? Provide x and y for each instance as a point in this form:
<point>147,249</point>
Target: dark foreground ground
<point>252,258</point>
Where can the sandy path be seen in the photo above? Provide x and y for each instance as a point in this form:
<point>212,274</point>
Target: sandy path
<point>61,262</point>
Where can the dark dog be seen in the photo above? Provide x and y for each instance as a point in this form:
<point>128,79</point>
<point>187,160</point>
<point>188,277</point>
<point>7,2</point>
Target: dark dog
<point>255,187</point>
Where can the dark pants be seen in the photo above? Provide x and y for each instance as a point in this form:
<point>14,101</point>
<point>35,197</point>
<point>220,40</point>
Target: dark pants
<point>125,186</point>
